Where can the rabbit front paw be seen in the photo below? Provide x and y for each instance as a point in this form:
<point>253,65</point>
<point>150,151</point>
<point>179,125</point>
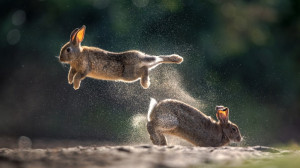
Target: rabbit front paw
<point>70,81</point>
<point>71,75</point>
<point>76,85</point>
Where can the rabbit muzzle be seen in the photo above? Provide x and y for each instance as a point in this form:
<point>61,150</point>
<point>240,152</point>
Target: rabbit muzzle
<point>238,139</point>
<point>63,59</point>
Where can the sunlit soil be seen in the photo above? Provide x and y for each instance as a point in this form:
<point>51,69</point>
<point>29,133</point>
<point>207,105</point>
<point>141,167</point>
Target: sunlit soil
<point>148,156</point>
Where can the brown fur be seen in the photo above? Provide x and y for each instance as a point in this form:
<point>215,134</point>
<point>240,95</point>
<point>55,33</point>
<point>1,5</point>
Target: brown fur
<point>97,63</point>
<point>177,118</point>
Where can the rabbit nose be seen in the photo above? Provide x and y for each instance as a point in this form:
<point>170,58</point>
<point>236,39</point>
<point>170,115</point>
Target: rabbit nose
<point>239,139</point>
<point>61,58</point>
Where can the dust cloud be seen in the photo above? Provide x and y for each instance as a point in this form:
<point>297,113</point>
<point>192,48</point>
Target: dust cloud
<point>166,83</point>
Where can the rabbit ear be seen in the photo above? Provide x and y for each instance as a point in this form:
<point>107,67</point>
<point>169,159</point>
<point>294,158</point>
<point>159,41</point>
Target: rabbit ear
<point>80,35</point>
<point>222,114</point>
<point>72,36</point>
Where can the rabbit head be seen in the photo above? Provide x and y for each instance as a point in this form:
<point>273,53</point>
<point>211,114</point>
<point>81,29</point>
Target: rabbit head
<point>71,50</point>
<point>230,129</point>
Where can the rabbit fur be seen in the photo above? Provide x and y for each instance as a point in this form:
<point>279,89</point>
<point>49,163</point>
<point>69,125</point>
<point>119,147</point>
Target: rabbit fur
<point>180,119</point>
<point>97,63</point>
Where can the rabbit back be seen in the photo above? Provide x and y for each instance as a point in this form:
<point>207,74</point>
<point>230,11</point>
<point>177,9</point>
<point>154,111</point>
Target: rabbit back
<point>112,66</point>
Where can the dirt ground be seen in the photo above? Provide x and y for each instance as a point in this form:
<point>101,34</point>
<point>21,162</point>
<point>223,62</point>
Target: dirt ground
<point>146,156</point>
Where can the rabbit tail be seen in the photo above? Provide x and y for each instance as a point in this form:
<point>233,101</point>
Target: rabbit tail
<point>152,104</point>
<point>174,58</point>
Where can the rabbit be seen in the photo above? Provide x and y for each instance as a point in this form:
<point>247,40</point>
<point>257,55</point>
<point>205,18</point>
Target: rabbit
<point>177,118</point>
<point>128,66</point>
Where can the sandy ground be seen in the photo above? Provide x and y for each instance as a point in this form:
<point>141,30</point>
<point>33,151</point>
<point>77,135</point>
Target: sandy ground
<point>146,156</point>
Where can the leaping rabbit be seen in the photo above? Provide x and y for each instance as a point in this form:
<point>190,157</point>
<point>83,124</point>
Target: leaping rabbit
<point>177,118</point>
<point>128,66</point>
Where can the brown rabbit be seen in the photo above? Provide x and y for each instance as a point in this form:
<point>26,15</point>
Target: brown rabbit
<point>177,118</point>
<point>97,63</point>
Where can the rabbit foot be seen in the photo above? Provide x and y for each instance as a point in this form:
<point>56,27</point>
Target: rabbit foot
<point>145,84</point>
<point>76,85</point>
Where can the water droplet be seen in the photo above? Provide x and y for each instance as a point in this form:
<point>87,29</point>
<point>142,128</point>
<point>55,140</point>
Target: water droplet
<point>19,17</point>
<point>13,36</point>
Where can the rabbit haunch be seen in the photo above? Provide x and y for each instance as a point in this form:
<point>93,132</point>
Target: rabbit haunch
<point>97,63</point>
<point>177,118</point>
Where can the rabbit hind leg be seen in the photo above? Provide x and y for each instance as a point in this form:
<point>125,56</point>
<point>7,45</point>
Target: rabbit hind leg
<point>165,123</point>
<point>156,136</point>
<point>145,80</point>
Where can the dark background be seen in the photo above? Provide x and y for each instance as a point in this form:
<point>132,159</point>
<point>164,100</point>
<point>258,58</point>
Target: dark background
<point>244,55</point>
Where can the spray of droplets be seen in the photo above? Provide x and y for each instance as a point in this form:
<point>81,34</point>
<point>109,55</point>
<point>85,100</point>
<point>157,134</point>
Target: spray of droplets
<point>166,83</point>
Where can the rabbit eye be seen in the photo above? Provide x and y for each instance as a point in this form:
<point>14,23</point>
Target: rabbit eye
<point>68,49</point>
<point>233,129</point>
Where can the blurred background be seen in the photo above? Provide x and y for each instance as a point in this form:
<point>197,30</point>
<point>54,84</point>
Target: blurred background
<point>241,54</point>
